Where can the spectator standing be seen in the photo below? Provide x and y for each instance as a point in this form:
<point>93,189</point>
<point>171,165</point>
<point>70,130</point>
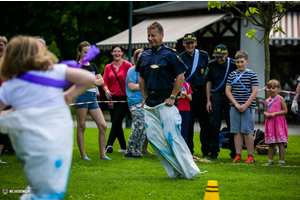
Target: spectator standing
<point>115,88</point>
<point>93,109</point>
<point>197,63</point>
<point>134,99</point>
<point>184,108</point>
<point>241,90</point>
<point>217,101</point>
<point>276,131</point>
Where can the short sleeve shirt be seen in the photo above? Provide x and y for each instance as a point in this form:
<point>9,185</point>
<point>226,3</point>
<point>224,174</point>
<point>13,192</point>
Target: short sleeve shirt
<point>184,104</point>
<point>217,72</point>
<point>94,70</point>
<point>160,67</point>
<point>133,97</point>
<point>238,91</point>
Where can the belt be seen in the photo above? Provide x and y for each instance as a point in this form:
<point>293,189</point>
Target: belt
<point>199,87</point>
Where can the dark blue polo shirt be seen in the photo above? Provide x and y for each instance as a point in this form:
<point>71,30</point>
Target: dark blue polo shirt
<point>199,76</point>
<point>160,67</point>
<point>217,72</point>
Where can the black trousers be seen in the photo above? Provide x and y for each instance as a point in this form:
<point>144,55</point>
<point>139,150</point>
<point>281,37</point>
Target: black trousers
<point>198,110</point>
<point>117,115</point>
<point>220,103</point>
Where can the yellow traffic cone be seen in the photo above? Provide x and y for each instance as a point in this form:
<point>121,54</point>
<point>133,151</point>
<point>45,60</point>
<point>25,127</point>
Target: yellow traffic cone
<point>212,191</point>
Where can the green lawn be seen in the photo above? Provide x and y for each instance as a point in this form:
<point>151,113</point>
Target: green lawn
<point>145,178</point>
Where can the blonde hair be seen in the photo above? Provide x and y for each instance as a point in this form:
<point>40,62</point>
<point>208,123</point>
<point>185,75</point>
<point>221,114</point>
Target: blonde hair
<point>273,83</point>
<point>3,39</point>
<point>80,47</point>
<point>22,54</point>
<point>155,25</point>
<point>135,56</point>
<point>241,54</point>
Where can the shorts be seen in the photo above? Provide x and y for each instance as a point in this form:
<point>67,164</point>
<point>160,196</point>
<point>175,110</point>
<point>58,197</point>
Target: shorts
<point>242,122</point>
<point>86,97</point>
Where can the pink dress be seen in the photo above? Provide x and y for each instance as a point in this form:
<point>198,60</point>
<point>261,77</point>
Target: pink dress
<point>276,128</point>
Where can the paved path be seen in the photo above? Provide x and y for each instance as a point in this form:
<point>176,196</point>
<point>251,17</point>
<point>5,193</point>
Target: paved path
<point>292,129</point>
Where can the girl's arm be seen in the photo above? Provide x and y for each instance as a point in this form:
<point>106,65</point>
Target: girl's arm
<point>133,87</point>
<point>99,80</point>
<point>82,80</point>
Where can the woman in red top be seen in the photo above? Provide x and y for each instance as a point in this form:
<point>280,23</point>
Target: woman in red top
<point>114,87</point>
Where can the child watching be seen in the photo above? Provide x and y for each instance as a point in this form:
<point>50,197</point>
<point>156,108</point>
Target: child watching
<point>275,125</point>
<point>184,108</point>
<point>41,126</point>
<point>241,90</point>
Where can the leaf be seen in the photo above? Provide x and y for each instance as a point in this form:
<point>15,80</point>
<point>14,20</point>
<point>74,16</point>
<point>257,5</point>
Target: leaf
<point>251,34</point>
<point>278,7</point>
<point>280,29</point>
<point>253,10</point>
<point>247,14</point>
<point>230,3</point>
<point>213,4</point>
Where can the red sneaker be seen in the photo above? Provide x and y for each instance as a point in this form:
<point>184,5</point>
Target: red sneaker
<point>237,159</point>
<point>250,159</point>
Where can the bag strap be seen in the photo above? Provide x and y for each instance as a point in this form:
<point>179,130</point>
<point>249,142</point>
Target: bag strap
<point>195,64</point>
<point>117,78</point>
<point>228,64</point>
<point>238,79</point>
<point>271,102</point>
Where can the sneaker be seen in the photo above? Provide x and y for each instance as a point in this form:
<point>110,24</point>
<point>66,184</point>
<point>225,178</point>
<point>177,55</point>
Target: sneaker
<point>122,150</point>
<point>250,159</point>
<point>109,149</point>
<point>128,155</point>
<point>238,158</point>
<point>1,162</point>
<point>138,156</point>
<point>213,156</point>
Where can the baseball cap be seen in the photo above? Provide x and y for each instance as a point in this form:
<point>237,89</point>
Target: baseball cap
<point>220,50</point>
<point>189,37</point>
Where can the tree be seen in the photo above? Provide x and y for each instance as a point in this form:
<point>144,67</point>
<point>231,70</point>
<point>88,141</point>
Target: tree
<point>264,15</point>
<point>64,24</point>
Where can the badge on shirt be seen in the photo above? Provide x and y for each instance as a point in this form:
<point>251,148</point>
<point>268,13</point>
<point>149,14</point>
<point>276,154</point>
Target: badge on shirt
<point>154,66</point>
<point>207,70</point>
<point>202,71</point>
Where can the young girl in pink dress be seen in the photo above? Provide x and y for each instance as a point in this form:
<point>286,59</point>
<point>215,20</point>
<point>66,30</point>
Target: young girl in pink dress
<point>275,124</point>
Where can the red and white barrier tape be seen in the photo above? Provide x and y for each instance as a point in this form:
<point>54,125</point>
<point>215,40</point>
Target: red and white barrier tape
<point>284,91</point>
<point>97,102</point>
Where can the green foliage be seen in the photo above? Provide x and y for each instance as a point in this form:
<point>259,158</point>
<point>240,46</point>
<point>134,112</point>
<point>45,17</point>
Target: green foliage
<point>145,178</point>
<point>213,4</point>
<point>65,24</point>
<point>230,3</point>
<point>251,34</point>
<point>277,29</point>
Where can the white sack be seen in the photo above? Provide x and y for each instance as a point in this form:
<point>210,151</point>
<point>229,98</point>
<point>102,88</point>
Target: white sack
<point>43,141</point>
<point>163,128</point>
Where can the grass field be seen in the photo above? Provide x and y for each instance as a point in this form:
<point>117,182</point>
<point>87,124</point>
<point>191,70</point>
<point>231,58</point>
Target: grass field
<point>145,178</point>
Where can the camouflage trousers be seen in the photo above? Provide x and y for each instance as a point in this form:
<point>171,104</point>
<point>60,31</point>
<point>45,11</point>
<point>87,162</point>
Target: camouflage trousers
<point>138,135</point>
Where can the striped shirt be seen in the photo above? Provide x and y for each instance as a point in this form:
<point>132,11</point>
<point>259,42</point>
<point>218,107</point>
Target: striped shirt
<point>241,94</point>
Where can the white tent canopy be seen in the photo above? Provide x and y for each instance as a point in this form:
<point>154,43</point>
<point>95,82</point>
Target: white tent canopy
<point>174,29</point>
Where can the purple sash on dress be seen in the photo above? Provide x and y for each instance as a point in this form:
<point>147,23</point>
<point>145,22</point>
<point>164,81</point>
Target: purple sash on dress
<point>90,54</point>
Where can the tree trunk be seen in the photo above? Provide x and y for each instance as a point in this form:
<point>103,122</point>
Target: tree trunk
<point>267,57</point>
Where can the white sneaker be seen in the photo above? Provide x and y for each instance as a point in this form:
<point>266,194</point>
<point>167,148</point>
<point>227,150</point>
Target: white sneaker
<point>121,150</point>
<point>109,149</point>
<point>1,162</point>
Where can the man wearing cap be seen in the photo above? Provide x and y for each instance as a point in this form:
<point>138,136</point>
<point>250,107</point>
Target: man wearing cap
<point>217,101</point>
<point>197,63</point>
